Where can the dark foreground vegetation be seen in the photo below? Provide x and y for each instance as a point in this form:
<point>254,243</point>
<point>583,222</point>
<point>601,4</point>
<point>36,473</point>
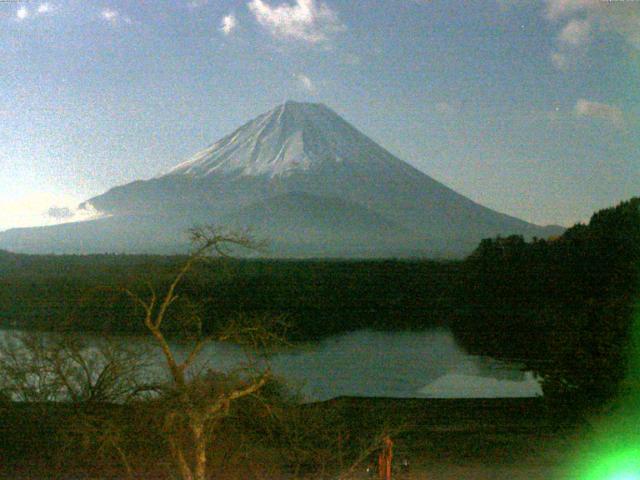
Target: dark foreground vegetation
<point>563,307</point>
<point>285,441</point>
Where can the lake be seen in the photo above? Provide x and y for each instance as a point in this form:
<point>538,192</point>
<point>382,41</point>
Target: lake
<point>375,364</point>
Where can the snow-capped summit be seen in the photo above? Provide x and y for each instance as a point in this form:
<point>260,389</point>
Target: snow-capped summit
<point>298,175</point>
<point>291,137</point>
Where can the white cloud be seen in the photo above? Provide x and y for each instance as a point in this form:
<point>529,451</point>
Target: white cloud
<point>114,17</point>
<point>576,33</point>
<point>557,9</point>
<point>306,83</point>
<point>22,13</point>
<point>44,8</point>
<point>228,23</point>
<point>603,111</point>
<point>110,15</point>
<point>621,17</point>
<point>305,20</point>
<point>572,44</point>
<point>42,208</point>
<point>583,20</point>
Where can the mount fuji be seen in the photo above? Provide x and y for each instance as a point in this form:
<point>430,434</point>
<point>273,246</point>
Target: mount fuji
<point>301,177</point>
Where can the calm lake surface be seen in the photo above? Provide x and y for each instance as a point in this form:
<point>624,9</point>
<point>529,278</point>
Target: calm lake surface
<point>371,363</point>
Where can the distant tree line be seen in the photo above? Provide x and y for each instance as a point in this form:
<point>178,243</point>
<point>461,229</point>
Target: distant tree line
<point>319,297</point>
<point>563,306</point>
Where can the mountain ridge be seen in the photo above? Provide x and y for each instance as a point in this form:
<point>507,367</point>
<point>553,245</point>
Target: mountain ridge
<point>305,151</point>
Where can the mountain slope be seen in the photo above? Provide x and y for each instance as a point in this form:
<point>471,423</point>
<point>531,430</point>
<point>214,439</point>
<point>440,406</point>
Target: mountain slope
<point>302,174</point>
<point>324,226</point>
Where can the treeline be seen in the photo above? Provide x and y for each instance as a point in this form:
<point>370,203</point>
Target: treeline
<point>562,306</point>
<point>317,297</point>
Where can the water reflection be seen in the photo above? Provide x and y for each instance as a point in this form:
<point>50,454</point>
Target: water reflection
<point>368,363</point>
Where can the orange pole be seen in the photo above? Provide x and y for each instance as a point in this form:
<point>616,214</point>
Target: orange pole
<point>384,460</point>
<point>389,445</point>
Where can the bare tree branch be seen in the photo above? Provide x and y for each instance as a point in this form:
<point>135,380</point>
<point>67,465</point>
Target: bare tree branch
<point>195,351</point>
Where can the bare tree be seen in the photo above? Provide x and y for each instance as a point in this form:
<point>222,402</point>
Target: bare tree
<point>192,405</point>
<point>103,437</point>
<point>26,372</point>
<point>37,367</point>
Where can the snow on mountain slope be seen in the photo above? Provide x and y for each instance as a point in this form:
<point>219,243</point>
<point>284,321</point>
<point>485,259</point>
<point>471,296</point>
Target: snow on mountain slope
<point>292,137</point>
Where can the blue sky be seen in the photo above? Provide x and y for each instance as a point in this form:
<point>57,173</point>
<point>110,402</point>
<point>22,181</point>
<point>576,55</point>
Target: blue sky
<point>528,107</point>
